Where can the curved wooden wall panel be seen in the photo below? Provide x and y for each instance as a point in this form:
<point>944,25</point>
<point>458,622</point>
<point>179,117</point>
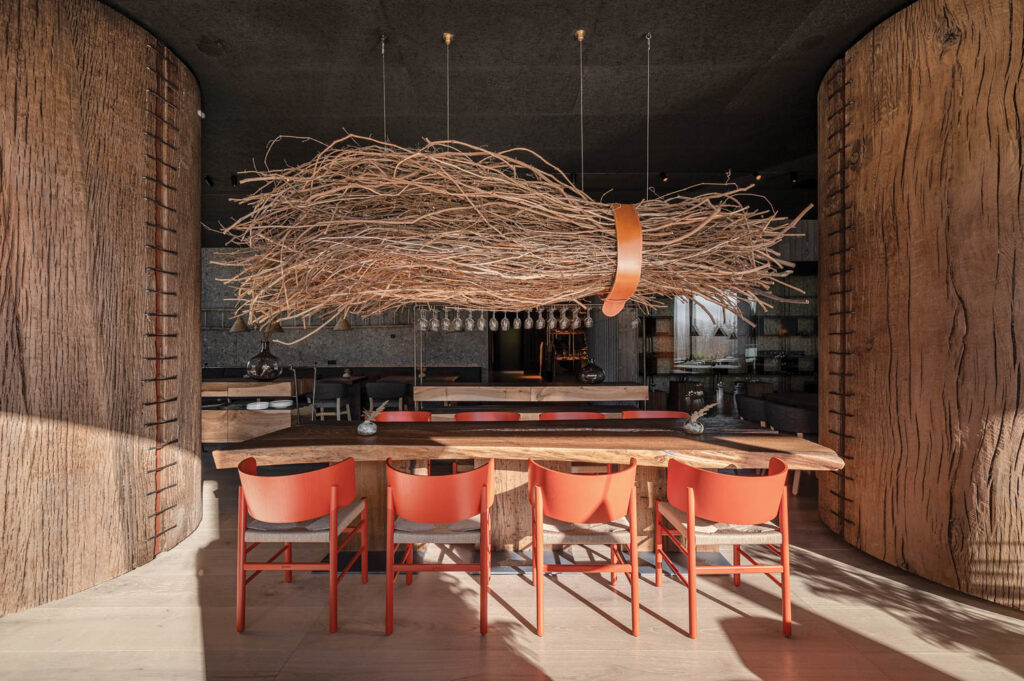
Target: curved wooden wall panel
<point>922,260</point>
<point>99,299</point>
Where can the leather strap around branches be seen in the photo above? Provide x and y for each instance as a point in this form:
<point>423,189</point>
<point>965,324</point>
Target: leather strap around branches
<point>630,251</point>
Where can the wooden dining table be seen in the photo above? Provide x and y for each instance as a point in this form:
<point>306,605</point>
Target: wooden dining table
<point>558,444</point>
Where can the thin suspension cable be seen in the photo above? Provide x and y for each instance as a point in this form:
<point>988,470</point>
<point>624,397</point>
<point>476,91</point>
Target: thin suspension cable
<point>647,166</point>
<point>579,37</point>
<point>447,87</point>
<point>384,84</point>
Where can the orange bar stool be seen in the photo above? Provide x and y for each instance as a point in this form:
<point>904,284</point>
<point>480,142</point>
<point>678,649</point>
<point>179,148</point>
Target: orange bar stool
<point>488,416</point>
<point>449,509</point>
<point>319,506</point>
<point>655,414</point>
<point>584,509</point>
<point>727,509</point>
<point>403,416</point>
<point>571,416</point>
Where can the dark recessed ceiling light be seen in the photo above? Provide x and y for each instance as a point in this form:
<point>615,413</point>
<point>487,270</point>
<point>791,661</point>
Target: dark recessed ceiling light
<point>234,180</point>
<point>664,177</point>
<point>758,177</point>
<point>793,178</point>
<point>208,180</point>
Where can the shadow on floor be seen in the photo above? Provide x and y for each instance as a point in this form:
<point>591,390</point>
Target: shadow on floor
<point>287,633</point>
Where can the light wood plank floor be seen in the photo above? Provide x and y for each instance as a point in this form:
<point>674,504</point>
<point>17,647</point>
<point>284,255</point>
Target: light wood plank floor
<point>855,618</point>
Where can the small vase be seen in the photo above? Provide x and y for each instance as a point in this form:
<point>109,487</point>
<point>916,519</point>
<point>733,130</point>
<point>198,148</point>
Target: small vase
<point>264,366</point>
<point>591,374</point>
<point>693,427</point>
<point>367,428</point>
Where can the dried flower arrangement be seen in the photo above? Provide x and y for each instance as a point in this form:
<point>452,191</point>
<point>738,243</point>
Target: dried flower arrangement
<point>368,226</point>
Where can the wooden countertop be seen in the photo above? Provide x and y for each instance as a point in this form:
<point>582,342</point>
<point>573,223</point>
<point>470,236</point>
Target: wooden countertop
<point>653,442</point>
<point>530,392</point>
<point>248,387</point>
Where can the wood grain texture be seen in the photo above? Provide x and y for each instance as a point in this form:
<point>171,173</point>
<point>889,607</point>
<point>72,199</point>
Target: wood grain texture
<point>929,219</point>
<point>653,442</point>
<point>239,425</point>
<point>79,445</point>
<point>243,387</point>
<point>478,392</point>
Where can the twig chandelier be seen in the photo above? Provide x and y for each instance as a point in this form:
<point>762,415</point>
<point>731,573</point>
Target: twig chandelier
<point>368,226</point>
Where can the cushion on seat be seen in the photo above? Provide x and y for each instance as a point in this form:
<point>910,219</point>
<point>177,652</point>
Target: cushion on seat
<point>561,532</point>
<point>709,533</point>
<point>460,532</point>
<point>308,531</point>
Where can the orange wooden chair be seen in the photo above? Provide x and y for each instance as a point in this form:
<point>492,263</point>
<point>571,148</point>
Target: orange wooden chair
<point>403,416</point>
<point>655,414</point>
<point>318,506</point>
<point>450,509</point>
<point>571,416</point>
<point>409,417</point>
<point>727,509</point>
<point>584,509</point>
<point>487,416</point>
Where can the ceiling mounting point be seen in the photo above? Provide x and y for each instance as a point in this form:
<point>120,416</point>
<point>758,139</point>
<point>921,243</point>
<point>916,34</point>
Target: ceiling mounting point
<point>448,38</point>
<point>580,33</point>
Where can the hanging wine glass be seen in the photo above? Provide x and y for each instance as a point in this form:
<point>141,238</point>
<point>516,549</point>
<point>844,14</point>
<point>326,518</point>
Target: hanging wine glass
<point>528,322</point>
<point>589,321</point>
<point>435,323</point>
<point>517,323</point>
<point>576,318</point>
<point>457,322</point>
<point>540,319</point>
<point>504,321</point>
<point>446,324</point>
<point>493,324</point>
<point>423,323</point>
<point>481,322</point>
<point>563,321</point>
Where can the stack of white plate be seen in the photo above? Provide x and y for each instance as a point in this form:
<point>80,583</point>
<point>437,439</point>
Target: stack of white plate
<point>257,405</point>
<point>281,404</point>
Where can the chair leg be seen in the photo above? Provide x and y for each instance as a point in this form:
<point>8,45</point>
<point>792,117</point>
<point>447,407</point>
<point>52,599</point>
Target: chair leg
<point>240,589</point>
<point>337,409</point>
<point>363,549</point>
<point>407,560</point>
<point>634,578</point>
<point>332,577</point>
<point>485,581</point>
<point>389,590</point>
<point>736,562</point>
<point>658,548</point>
<point>348,412</point>
<point>538,562</point>
<point>288,559</point>
<point>614,576</point>
<point>796,483</point>
<point>787,612</point>
<point>691,583</point>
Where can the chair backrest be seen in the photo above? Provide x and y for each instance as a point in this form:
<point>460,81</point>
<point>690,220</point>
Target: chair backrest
<point>440,498</point>
<point>723,498</point>
<point>332,390</point>
<point>385,390</point>
<point>299,497</point>
<point>655,414</point>
<point>487,416</point>
<point>402,416</point>
<point>571,416</point>
<point>584,497</point>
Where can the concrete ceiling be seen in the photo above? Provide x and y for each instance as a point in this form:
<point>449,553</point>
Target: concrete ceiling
<point>733,83</point>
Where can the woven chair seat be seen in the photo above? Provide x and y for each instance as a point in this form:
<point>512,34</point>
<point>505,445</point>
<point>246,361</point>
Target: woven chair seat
<point>709,533</point>
<point>308,531</point>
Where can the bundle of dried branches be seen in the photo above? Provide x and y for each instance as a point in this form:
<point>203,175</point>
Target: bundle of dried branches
<point>367,226</point>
